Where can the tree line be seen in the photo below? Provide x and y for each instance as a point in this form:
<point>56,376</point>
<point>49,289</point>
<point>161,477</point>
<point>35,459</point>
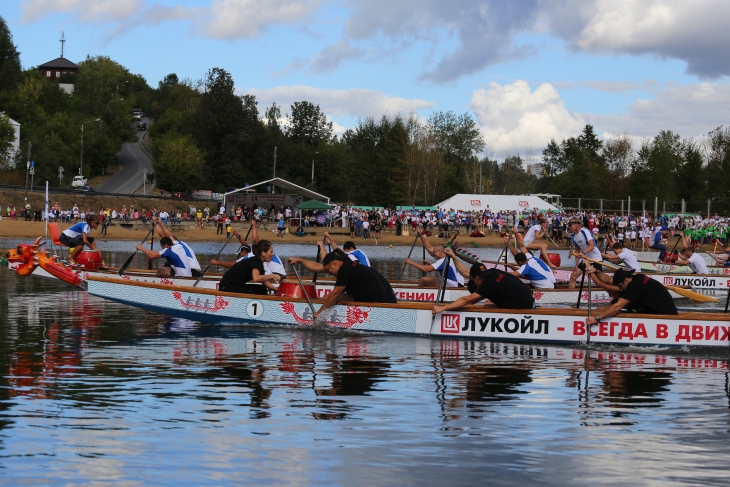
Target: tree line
<point>667,167</point>
<point>204,135</point>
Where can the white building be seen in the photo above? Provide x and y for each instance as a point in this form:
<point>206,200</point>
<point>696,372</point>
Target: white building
<point>15,148</point>
<point>495,202</point>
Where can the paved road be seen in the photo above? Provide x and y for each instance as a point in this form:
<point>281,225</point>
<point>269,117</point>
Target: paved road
<point>133,161</point>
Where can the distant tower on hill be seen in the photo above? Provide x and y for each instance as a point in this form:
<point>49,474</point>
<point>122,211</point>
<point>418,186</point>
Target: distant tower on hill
<point>59,66</point>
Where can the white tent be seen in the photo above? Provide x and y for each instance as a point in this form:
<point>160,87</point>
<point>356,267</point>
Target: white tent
<point>495,202</point>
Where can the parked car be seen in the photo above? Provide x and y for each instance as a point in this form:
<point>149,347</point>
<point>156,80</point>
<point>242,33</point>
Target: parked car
<point>78,182</point>
<point>142,126</point>
<point>182,195</point>
<point>85,189</point>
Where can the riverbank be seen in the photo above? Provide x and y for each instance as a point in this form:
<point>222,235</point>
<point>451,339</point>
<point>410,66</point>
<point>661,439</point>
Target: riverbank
<point>24,231</point>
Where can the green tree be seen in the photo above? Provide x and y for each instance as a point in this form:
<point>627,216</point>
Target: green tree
<point>308,125</point>
<point>458,139</point>
<point>178,163</point>
<point>10,71</point>
<point>717,171</point>
<point>7,136</point>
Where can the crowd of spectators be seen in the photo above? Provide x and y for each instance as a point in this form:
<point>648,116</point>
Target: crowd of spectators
<point>631,230</point>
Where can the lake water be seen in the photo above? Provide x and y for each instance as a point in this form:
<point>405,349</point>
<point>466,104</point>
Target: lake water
<point>97,393</point>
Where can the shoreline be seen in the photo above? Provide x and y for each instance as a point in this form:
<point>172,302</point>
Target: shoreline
<point>26,232</point>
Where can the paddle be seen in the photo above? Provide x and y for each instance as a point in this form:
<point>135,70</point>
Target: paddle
<point>131,257</point>
<point>580,292</point>
<point>409,256</point>
<point>423,247</point>
<point>152,244</point>
<point>442,284</point>
<point>590,302</point>
<point>311,306</point>
<point>214,258</point>
<point>441,290</point>
<point>314,279</point>
<point>695,296</point>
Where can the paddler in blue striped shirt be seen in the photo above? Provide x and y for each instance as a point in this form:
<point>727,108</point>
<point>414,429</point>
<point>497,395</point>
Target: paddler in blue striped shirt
<point>351,250</point>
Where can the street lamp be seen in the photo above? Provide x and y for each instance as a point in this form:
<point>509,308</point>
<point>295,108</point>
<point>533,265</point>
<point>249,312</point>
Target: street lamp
<point>118,87</point>
<point>81,166</point>
<point>313,168</point>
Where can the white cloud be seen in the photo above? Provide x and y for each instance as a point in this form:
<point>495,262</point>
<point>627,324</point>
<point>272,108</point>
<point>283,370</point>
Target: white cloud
<point>690,110</point>
<point>514,118</point>
<point>246,19</point>
<point>354,102</point>
<point>693,31</point>
<point>483,30</point>
<point>86,10</point>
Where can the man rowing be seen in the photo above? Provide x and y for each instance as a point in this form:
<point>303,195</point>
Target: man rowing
<point>77,236</point>
<point>531,268</point>
<point>180,258</point>
<point>501,288</point>
<point>635,292</point>
<point>244,251</point>
<point>623,256</point>
<point>535,232</point>
<point>248,275</point>
<point>350,249</point>
<point>355,281</point>
<point>586,245</point>
<point>723,258</point>
<point>453,277</point>
<point>687,256</point>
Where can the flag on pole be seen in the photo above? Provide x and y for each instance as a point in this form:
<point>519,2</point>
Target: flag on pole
<point>46,214</point>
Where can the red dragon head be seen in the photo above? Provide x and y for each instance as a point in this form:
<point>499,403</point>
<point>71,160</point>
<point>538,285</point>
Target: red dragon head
<point>23,258</point>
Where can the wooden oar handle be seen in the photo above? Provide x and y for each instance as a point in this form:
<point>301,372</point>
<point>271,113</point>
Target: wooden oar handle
<point>612,266</point>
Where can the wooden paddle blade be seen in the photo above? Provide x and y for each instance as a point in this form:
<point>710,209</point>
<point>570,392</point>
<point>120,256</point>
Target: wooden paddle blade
<point>126,264</point>
<point>695,296</point>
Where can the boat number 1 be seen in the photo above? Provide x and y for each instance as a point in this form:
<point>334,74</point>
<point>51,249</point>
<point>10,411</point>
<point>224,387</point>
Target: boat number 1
<point>255,309</point>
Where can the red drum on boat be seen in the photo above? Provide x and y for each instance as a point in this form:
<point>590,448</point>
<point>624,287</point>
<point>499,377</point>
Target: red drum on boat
<point>554,259</point>
<point>292,289</point>
<point>90,259</point>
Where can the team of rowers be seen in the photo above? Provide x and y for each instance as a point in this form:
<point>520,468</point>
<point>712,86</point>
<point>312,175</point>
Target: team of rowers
<point>258,269</point>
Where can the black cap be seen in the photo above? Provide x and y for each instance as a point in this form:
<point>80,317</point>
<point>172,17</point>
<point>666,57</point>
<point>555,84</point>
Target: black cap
<point>242,248</point>
<point>333,256</point>
<point>479,270</point>
<point>620,275</point>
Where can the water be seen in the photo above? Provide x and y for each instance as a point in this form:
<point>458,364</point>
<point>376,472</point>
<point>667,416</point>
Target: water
<point>93,392</point>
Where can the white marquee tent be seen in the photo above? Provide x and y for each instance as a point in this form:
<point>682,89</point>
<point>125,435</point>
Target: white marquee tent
<point>495,202</point>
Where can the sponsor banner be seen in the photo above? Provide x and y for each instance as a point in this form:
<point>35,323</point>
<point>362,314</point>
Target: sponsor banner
<point>625,330</point>
<point>265,200</point>
<point>694,282</point>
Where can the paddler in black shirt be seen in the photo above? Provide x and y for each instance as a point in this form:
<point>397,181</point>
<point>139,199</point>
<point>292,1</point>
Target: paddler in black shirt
<point>502,289</point>
<point>361,283</point>
<point>241,277</point>
<point>639,293</point>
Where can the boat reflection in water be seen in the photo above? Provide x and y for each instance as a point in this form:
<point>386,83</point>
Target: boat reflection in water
<point>92,379</point>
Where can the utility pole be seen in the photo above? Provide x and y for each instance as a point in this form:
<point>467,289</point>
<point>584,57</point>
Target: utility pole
<point>273,188</point>
<point>480,178</point>
<point>27,170</point>
<point>313,169</point>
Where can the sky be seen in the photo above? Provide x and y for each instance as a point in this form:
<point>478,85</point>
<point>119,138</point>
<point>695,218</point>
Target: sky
<point>525,70</point>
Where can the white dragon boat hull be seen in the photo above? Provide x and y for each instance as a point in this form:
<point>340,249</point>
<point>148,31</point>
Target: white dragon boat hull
<point>476,322</point>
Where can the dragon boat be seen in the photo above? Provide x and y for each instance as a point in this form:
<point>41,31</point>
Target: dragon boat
<point>404,290</point>
<point>549,325</point>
